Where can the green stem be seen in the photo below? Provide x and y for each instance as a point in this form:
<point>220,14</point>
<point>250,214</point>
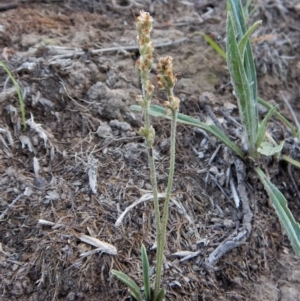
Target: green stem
<point>153,181</point>
<point>151,161</point>
<point>162,236</point>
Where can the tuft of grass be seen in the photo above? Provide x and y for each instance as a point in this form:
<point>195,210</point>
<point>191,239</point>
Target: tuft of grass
<point>18,89</point>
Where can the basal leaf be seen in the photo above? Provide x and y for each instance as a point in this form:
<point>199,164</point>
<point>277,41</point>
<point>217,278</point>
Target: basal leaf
<point>146,273</point>
<point>161,295</point>
<point>279,116</point>
<point>245,38</point>
<point>284,214</point>
<point>290,160</point>
<point>158,111</point>
<point>214,45</point>
<point>134,289</point>
<point>268,149</point>
<point>247,105</point>
<point>238,19</point>
<point>263,127</point>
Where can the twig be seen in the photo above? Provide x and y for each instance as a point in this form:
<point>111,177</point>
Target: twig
<point>235,240</point>
<point>10,206</point>
<point>160,45</point>
<point>67,52</point>
<point>214,155</point>
<point>234,193</point>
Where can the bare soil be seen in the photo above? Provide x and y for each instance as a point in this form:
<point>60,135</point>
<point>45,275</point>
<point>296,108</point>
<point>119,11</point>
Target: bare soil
<point>78,78</point>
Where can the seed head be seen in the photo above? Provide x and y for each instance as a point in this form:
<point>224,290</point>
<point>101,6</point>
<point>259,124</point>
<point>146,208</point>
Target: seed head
<point>166,78</point>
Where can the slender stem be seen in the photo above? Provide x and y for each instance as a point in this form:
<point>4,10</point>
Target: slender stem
<point>151,164</point>
<point>162,237</point>
<point>154,189</point>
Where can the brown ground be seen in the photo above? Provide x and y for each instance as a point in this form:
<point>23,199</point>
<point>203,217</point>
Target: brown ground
<point>79,98</point>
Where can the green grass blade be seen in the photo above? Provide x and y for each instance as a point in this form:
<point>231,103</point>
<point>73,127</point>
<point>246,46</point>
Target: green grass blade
<point>158,111</point>
<point>16,85</point>
<point>134,289</point>
<point>161,295</point>
<point>245,38</point>
<point>246,7</point>
<point>279,116</point>
<point>238,18</point>
<point>285,216</point>
<point>247,105</point>
<point>263,127</point>
<point>236,10</point>
<point>290,160</point>
<point>146,273</point>
<point>246,12</point>
<point>214,45</point>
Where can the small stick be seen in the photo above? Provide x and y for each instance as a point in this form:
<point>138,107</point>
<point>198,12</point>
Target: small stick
<point>10,206</point>
<point>173,42</point>
<point>235,239</point>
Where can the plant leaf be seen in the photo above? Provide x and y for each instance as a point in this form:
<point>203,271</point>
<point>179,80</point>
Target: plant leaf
<point>161,295</point>
<point>247,105</point>
<point>263,126</point>
<point>246,7</point>
<point>18,89</point>
<point>245,38</point>
<point>238,18</point>
<point>134,289</point>
<point>268,149</point>
<point>158,111</point>
<point>279,116</point>
<point>286,218</point>
<point>146,273</point>
<point>214,45</point>
<point>290,160</point>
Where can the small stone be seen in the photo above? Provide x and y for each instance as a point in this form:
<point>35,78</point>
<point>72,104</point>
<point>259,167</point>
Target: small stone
<point>148,186</point>
<point>214,170</point>
<point>104,130</point>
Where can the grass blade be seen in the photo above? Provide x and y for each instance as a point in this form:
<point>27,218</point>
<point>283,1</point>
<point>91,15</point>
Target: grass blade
<point>247,105</point>
<point>263,127</point>
<point>146,273</point>
<point>134,289</point>
<point>158,111</point>
<point>286,218</point>
<point>16,85</point>
<point>245,38</point>
<point>246,7</point>
<point>161,295</point>
<point>290,160</point>
<point>214,45</point>
<point>238,18</point>
<point>279,116</point>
